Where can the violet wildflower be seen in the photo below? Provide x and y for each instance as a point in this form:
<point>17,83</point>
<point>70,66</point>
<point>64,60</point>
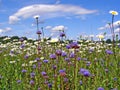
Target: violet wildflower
<point>58,52</point>
<point>100,88</point>
<point>91,50</point>
<point>26,56</point>
<point>39,47</point>
<point>115,79</point>
<point>44,73</point>
<point>21,39</point>
<point>62,34</point>
<point>80,82</point>
<point>67,59</point>
<point>49,85</point>
<point>32,82</point>
<point>11,52</point>
<point>106,70</point>
<point>38,32</point>
<point>65,79</point>
<point>72,55</point>
<point>24,71</point>
<point>22,46</point>
<point>78,58</point>
<point>84,72</point>
<point>34,66</point>
<point>18,81</point>
<point>39,88</point>
<point>74,45</point>
<point>109,52</point>
<point>39,64</point>
<point>88,63</point>
<point>68,46</point>
<point>32,75</point>
<point>52,56</point>
<point>64,54</point>
<point>45,61</point>
<point>54,67</point>
<point>62,73</point>
<point>37,59</point>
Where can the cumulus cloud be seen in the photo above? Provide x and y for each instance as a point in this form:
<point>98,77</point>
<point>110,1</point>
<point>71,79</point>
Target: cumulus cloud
<point>115,24</point>
<point>117,30</point>
<point>59,28</point>
<point>48,11</point>
<point>7,29</point>
<point>48,27</point>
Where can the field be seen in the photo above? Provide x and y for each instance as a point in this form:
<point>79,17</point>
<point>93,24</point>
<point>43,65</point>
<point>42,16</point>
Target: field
<point>55,65</point>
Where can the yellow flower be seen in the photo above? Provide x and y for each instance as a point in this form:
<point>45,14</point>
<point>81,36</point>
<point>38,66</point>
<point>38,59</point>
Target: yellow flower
<point>113,12</point>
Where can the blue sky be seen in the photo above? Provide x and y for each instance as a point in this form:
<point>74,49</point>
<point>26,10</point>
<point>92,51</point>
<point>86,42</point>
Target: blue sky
<point>77,17</point>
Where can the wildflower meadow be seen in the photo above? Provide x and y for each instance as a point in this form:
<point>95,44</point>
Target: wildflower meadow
<point>59,64</point>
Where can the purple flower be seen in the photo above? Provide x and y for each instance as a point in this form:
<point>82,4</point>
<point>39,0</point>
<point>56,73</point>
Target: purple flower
<point>43,73</point>
<point>67,59</point>
<point>32,75</point>
<point>54,67</point>
<point>61,71</point>
<point>100,88</point>
<point>58,52</point>
<point>81,82</point>
<point>38,32</point>
<point>72,55</point>
<point>52,56</point>
<point>109,52</point>
<point>45,61</point>
<point>65,79</point>
<point>74,45</point>
<point>49,85</point>
<point>32,82</point>
<point>84,72</point>
<point>12,52</point>
<point>21,39</point>
<point>106,70</point>
<point>91,50</point>
<point>115,79</point>
<point>68,46</point>
<point>64,54</point>
<point>62,34</point>
<point>78,58</point>
<point>22,46</point>
<point>18,81</point>
<point>37,59</point>
<point>39,88</point>
<point>34,66</point>
<point>88,63</point>
<point>26,56</point>
<point>24,71</point>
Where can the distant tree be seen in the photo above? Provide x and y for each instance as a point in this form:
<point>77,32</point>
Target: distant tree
<point>14,37</point>
<point>108,41</point>
<point>25,38</point>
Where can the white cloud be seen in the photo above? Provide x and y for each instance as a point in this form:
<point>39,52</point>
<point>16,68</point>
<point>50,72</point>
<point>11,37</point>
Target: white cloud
<point>7,29</point>
<point>48,27</point>
<point>48,11</point>
<point>13,19</point>
<point>107,26</point>
<point>117,30</point>
<point>59,28</point>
